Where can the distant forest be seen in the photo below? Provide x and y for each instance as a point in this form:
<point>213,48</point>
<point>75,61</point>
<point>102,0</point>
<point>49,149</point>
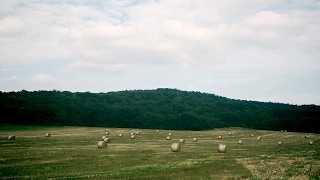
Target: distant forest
<point>153,109</point>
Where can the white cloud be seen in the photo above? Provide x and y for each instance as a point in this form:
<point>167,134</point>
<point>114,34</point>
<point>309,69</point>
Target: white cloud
<point>98,67</point>
<point>11,27</point>
<point>44,79</point>
<point>11,79</point>
<point>221,47</point>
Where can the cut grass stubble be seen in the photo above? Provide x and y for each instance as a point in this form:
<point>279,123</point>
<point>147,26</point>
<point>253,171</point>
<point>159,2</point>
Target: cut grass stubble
<point>71,152</point>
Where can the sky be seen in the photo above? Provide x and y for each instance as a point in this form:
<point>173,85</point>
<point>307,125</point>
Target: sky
<point>261,50</point>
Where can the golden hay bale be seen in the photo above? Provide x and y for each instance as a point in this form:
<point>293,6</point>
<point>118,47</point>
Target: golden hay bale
<point>103,137</point>
<point>181,141</point>
<point>258,138</point>
<point>175,147</point>
<point>137,133</point>
<point>11,137</point>
<point>168,137</point>
<point>251,135</point>
<point>194,139</point>
<point>132,136</point>
<point>219,137</point>
<point>107,130</point>
<point>107,133</point>
<point>48,134</point>
<point>306,136</point>
<point>230,133</point>
<point>102,144</point>
<point>107,140</point>
<point>157,131</point>
<point>279,143</point>
<point>222,148</point>
<point>240,142</point>
<point>311,142</point>
<point>120,135</point>
<point>170,134</point>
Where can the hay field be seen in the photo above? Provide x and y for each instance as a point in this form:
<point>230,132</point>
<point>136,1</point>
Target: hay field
<point>72,153</point>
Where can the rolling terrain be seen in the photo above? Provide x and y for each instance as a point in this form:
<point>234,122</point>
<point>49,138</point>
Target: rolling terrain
<point>153,109</point>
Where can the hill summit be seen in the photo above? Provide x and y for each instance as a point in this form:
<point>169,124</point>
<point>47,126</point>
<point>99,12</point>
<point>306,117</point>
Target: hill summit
<point>153,109</point>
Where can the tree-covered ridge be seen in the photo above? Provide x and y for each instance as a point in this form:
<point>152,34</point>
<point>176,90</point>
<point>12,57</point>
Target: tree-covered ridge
<point>155,109</point>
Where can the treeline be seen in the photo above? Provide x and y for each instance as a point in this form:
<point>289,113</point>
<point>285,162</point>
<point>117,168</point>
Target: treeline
<point>153,109</point>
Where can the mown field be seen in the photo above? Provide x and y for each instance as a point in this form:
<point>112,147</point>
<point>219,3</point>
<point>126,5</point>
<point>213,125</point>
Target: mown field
<point>72,153</point>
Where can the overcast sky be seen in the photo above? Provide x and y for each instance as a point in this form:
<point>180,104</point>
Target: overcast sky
<point>261,50</point>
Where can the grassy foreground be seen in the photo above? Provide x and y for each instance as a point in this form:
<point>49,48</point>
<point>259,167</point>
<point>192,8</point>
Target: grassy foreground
<point>72,153</point>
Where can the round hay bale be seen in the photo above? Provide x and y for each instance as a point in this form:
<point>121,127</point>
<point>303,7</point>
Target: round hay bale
<point>168,137</point>
<point>48,134</point>
<point>107,140</point>
<point>230,133</point>
<point>251,135</point>
<point>137,133</point>
<point>170,134</point>
<point>132,136</point>
<point>103,137</point>
<point>107,133</point>
<point>157,131</point>
<point>222,148</point>
<point>258,138</point>
<point>219,137</point>
<point>279,143</point>
<point>175,147</point>
<point>181,141</point>
<point>240,142</point>
<point>11,137</point>
<point>306,136</point>
<point>120,135</point>
<point>107,130</point>
<point>194,139</point>
<point>102,144</point>
<point>311,143</point>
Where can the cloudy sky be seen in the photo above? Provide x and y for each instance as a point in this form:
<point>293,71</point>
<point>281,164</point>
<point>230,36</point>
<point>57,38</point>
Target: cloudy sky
<point>262,50</point>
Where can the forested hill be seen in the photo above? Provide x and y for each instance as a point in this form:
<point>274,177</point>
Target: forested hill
<point>153,109</point>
